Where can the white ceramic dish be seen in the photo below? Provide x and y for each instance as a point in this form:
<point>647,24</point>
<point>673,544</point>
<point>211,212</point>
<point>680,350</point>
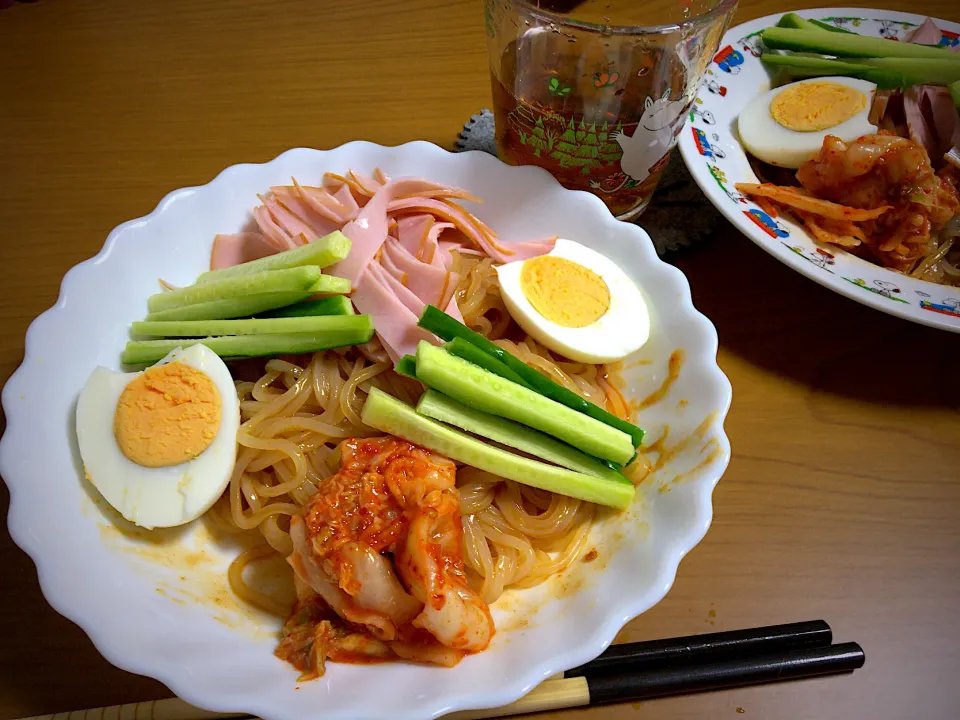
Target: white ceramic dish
<point>158,604</point>
<point>711,150</point>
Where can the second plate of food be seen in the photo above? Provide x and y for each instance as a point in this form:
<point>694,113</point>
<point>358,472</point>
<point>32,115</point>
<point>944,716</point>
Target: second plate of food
<point>872,213</point>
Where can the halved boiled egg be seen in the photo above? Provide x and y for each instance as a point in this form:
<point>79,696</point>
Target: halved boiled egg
<point>160,445</point>
<point>577,303</point>
<point>786,126</point>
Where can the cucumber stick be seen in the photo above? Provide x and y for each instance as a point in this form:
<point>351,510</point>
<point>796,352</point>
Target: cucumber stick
<point>804,66</point>
<point>919,71</point>
<point>831,28</point>
<point>333,305</point>
<point>407,366</point>
<point>471,353</point>
<point>296,279</point>
<point>792,20</point>
<point>886,72</point>
<point>447,410</point>
<point>237,307</point>
<point>322,252</point>
<point>849,45</point>
<point>447,328</point>
<point>483,390</point>
<point>361,324</point>
<point>955,93</point>
<point>392,416</point>
<point>142,352</point>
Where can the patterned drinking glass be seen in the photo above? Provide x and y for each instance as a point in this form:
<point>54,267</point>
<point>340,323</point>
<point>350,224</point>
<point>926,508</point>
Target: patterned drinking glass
<point>596,92</point>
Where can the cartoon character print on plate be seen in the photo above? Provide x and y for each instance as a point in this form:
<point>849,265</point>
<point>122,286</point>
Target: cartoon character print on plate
<point>714,87</point>
<point>841,21</point>
<point>893,30</point>
<point>884,288</point>
<point>948,306</point>
<point>729,60</point>
<point>648,149</point>
<point>766,223</point>
<point>751,44</point>
<point>704,146</point>
<point>820,257</point>
<point>717,174</point>
<point>697,112</point>
<point>949,39</point>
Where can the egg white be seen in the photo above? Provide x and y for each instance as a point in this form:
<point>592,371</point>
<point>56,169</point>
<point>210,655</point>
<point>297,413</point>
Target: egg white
<point>768,140</point>
<point>166,496</point>
<point>624,328</point>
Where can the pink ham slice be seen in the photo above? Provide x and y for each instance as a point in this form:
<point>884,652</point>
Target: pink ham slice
<point>275,234</point>
<point>369,230</point>
<point>396,324</point>
<point>393,278</point>
<point>236,249</point>
<point>475,231</point>
<point>937,105</point>
<point>926,34</point>
<point>318,224</point>
<point>413,234</point>
<point>431,284</point>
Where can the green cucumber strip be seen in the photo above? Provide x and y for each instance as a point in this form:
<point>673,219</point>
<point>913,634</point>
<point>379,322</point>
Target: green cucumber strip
<point>800,66</point>
<point>831,28</point>
<point>792,20</point>
<point>471,353</point>
<point>232,308</point>
<point>921,71</point>
<point>506,432</point>
<point>392,416</point>
<point>321,252</point>
<point>333,305</point>
<point>848,44</point>
<point>407,365</point>
<point>955,93</point>
<point>447,328</point>
<point>329,285</point>
<point>482,390</point>
<point>296,279</point>
<point>256,326</point>
<point>142,352</point>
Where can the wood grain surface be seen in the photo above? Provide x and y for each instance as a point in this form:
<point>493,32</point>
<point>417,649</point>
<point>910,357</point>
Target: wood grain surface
<point>842,500</point>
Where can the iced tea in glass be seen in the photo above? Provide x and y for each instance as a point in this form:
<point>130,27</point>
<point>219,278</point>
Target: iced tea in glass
<point>596,92</point>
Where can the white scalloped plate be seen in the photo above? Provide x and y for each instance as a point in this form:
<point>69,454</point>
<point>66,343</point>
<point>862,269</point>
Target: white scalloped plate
<point>158,604</point>
<point>711,150</point>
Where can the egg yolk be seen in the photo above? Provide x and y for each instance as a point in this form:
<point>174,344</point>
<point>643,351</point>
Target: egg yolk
<point>564,292</point>
<point>168,415</point>
<point>814,106</point>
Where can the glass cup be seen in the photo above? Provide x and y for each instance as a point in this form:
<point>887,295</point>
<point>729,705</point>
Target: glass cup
<point>597,91</point>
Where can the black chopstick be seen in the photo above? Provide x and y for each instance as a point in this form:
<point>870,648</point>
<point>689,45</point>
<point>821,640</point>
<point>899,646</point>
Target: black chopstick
<point>709,647</point>
<point>775,667</point>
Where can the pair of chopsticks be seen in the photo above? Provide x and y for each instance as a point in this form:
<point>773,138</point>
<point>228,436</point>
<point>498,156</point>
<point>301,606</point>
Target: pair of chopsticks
<point>624,673</point>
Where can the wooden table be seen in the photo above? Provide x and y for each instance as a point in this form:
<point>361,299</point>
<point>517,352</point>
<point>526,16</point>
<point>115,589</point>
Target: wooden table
<point>843,497</point>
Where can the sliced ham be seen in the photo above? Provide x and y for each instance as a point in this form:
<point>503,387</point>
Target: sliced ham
<point>398,262</point>
<point>288,220</point>
<point>412,233</point>
<point>926,34</point>
<point>937,105</point>
<point>319,223</point>
<point>917,125</point>
<point>369,230</point>
<point>396,324</point>
<point>475,231</point>
<point>429,283</point>
<point>236,249</point>
<point>275,234</point>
